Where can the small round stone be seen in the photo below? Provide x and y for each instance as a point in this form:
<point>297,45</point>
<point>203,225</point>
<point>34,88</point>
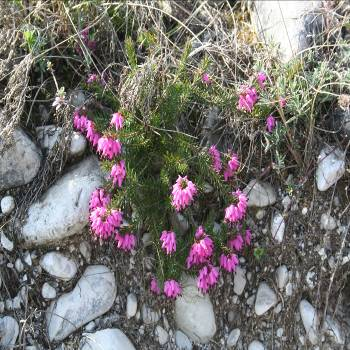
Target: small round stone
<point>48,292</point>
<point>7,205</point>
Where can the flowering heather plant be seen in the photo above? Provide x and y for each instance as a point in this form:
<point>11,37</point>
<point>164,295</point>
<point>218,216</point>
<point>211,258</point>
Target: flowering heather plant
<point>152,178</point>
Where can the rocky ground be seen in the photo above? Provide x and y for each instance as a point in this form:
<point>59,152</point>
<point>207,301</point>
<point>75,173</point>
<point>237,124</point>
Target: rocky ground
<point>60,289</point>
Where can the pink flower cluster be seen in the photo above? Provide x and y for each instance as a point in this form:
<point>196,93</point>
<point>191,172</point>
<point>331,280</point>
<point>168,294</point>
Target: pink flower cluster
<point>99,198</point>
<point>216,159</point>
<point>236,212</point>
<point>92,78</point>
<point>261,79</point>
<point>270,123</point>
<point>183,192</point>
<point>208,277</point>
<point>168,239</point>
<point>117,121</point>
<point>247,98</point>
<point>201,250</point>
<point>172,288</point>
<point>84,125</point>
<point>232,164</point>
<point>229,262</point>
<point>108,147</point>
<point>206,79</point>
<point>126,242</point>
<point>85,38</point>
<point>118,173</point>
<point>104,221</point>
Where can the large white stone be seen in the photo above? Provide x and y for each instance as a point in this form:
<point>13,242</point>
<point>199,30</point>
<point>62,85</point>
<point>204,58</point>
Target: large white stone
<point>286,23</point>
<point>20,162</point>
<point>59,266</point>
<point>8,332</point>
<point>93,295</point>
<point>278,227</point>
<point>63,210</point>
<point>265,299</point>
<point>107,339</point>
<point>330,168</point>
<point>194,313</point>
<point>260,194</point>
<point>49,134</point>
<point>310,321</point>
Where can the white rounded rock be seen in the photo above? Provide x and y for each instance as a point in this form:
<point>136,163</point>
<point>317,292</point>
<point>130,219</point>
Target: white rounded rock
<point>310,321</point>
<point>194,313</point>
<point>78,144</point>
<point>47,291</point>
<point>131,305</point>
<point>265,299</point>
<point>59,266</point>
<point>182,342</point>
<point>19,162</point>
<point>256,345</point>
<point>63,210</point>
<point>260,194</point>
<point>162,335</point>
<point>233,338</point>
<point>106,339</point>
<point>278,226</point>
<point>19,265</point>
<point>330,168</point>
<point>274,21</point>
<point>5,242</point>
<point>328,222</point>
<point>282,276</point>
<point>93,295</point>
<point>239,280</point>
<point>9,332</point>
<point>49,134</point>
<point>7,205</point>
